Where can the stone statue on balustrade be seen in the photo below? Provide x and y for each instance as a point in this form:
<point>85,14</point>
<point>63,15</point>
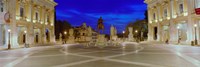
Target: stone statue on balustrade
<point>60,38</point>
<point>71,36</point>
<point>130,35</point>
<point>113,33</point>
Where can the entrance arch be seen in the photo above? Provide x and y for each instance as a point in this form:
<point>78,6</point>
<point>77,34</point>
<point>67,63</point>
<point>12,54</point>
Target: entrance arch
<point>155,33</point>
<point>37,35</point>
<point>47,33</point>
<point>21,35</point>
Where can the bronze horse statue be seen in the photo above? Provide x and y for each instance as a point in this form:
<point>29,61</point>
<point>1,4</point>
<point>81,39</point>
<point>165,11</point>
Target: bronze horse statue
<point>100,24</point>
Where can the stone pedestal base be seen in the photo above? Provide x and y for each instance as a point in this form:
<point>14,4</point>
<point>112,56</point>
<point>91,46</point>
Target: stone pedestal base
<point>114,38</point>
<point>130,38</point>
<point>101,38</point>
<point>71,40</point>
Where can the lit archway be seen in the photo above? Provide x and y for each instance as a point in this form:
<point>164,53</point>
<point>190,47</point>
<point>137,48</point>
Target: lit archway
<point>47,33</point>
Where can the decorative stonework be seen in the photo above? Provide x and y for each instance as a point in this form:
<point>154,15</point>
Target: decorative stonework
<point>26,22</point>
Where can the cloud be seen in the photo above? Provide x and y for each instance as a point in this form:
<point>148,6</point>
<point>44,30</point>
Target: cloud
<point>62,14</point>
<point>74,11</point>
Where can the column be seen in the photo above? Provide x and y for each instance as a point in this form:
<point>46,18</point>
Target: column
<point>171,9</point>
<point>28,11</point>
<point>198,32</point>
<point>176,9</point>
<point>1,35</point>
<point>40,36</point>
<point>44,25</point>
<point>30,30</point>
<point>13,26</point>
<point>172,31</point>
<point>6,27</point>
<point>150,31</point>
<point>42,14</point>
<point>17,8</point>
<point>159,34</point>
<point>43,34</point>
<point>185,4</point>
<point>52,26</point>
<point>190,30</point>
<point>191,21</point>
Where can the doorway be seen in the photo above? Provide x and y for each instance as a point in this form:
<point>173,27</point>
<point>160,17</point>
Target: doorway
<point>37,38</point>
<point>47,35</point>
<point>24,38</point>
<point>155,33</point>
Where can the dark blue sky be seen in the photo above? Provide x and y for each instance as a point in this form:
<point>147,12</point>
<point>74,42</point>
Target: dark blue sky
<point>114,12</point>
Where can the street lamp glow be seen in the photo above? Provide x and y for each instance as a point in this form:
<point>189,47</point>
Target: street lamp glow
<point>195,25</point>
<point>52,24</point>
<point>65,32</point>
<point>25,31</point>
<point>46,23</point>
<point>136,31</point>
<point>9,30</point>
<point>123,32</point>
<point>178,27</point>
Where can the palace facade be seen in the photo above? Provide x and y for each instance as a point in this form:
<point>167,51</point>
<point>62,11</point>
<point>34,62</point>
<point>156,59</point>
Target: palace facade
<point>175,21</point>
<point>26,21</point>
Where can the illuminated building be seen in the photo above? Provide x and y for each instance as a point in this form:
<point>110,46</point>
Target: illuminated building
<point>30,22</point>
<point>173,20</point>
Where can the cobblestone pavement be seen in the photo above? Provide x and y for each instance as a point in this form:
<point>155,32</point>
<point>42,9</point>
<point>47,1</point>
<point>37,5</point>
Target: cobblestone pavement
<point>125,55</point>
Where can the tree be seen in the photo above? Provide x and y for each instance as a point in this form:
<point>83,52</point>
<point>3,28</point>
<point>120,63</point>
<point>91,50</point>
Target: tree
<point>140,26</point>
<point>60,27</point>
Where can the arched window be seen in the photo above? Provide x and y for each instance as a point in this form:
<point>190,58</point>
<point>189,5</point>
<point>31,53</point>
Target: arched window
<point>21,11</point>
<point>36,16</point>
<point>165,12</point>
<point>181,6</point>
<point>154,16</point>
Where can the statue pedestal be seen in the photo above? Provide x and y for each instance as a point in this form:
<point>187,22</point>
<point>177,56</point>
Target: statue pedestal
<point>114,38</point>
<point>130,37</point>
<point>101,41</point>
<point>101,38</point>
<point>71,40</point>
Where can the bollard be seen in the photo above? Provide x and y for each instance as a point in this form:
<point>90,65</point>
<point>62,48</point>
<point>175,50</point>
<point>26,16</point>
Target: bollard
<point>167,41</point>
<point>192,43</point>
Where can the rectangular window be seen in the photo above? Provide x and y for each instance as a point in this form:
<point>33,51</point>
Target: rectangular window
<point>1,6</point>
<point>36,16</point>
<point>165,13</point>
<point>154,16</point>
<point>21,12</point>
<point>181,8</point>
<point>48,18</point>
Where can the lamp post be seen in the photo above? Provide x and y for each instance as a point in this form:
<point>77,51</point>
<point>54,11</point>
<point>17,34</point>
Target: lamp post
<point>25,38</point>
<point>195,29</point>
<point>178,28</point>
<point>65,36</point>
<point>123,35</point>
<point>136,31</point>
<point>9,45</point>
